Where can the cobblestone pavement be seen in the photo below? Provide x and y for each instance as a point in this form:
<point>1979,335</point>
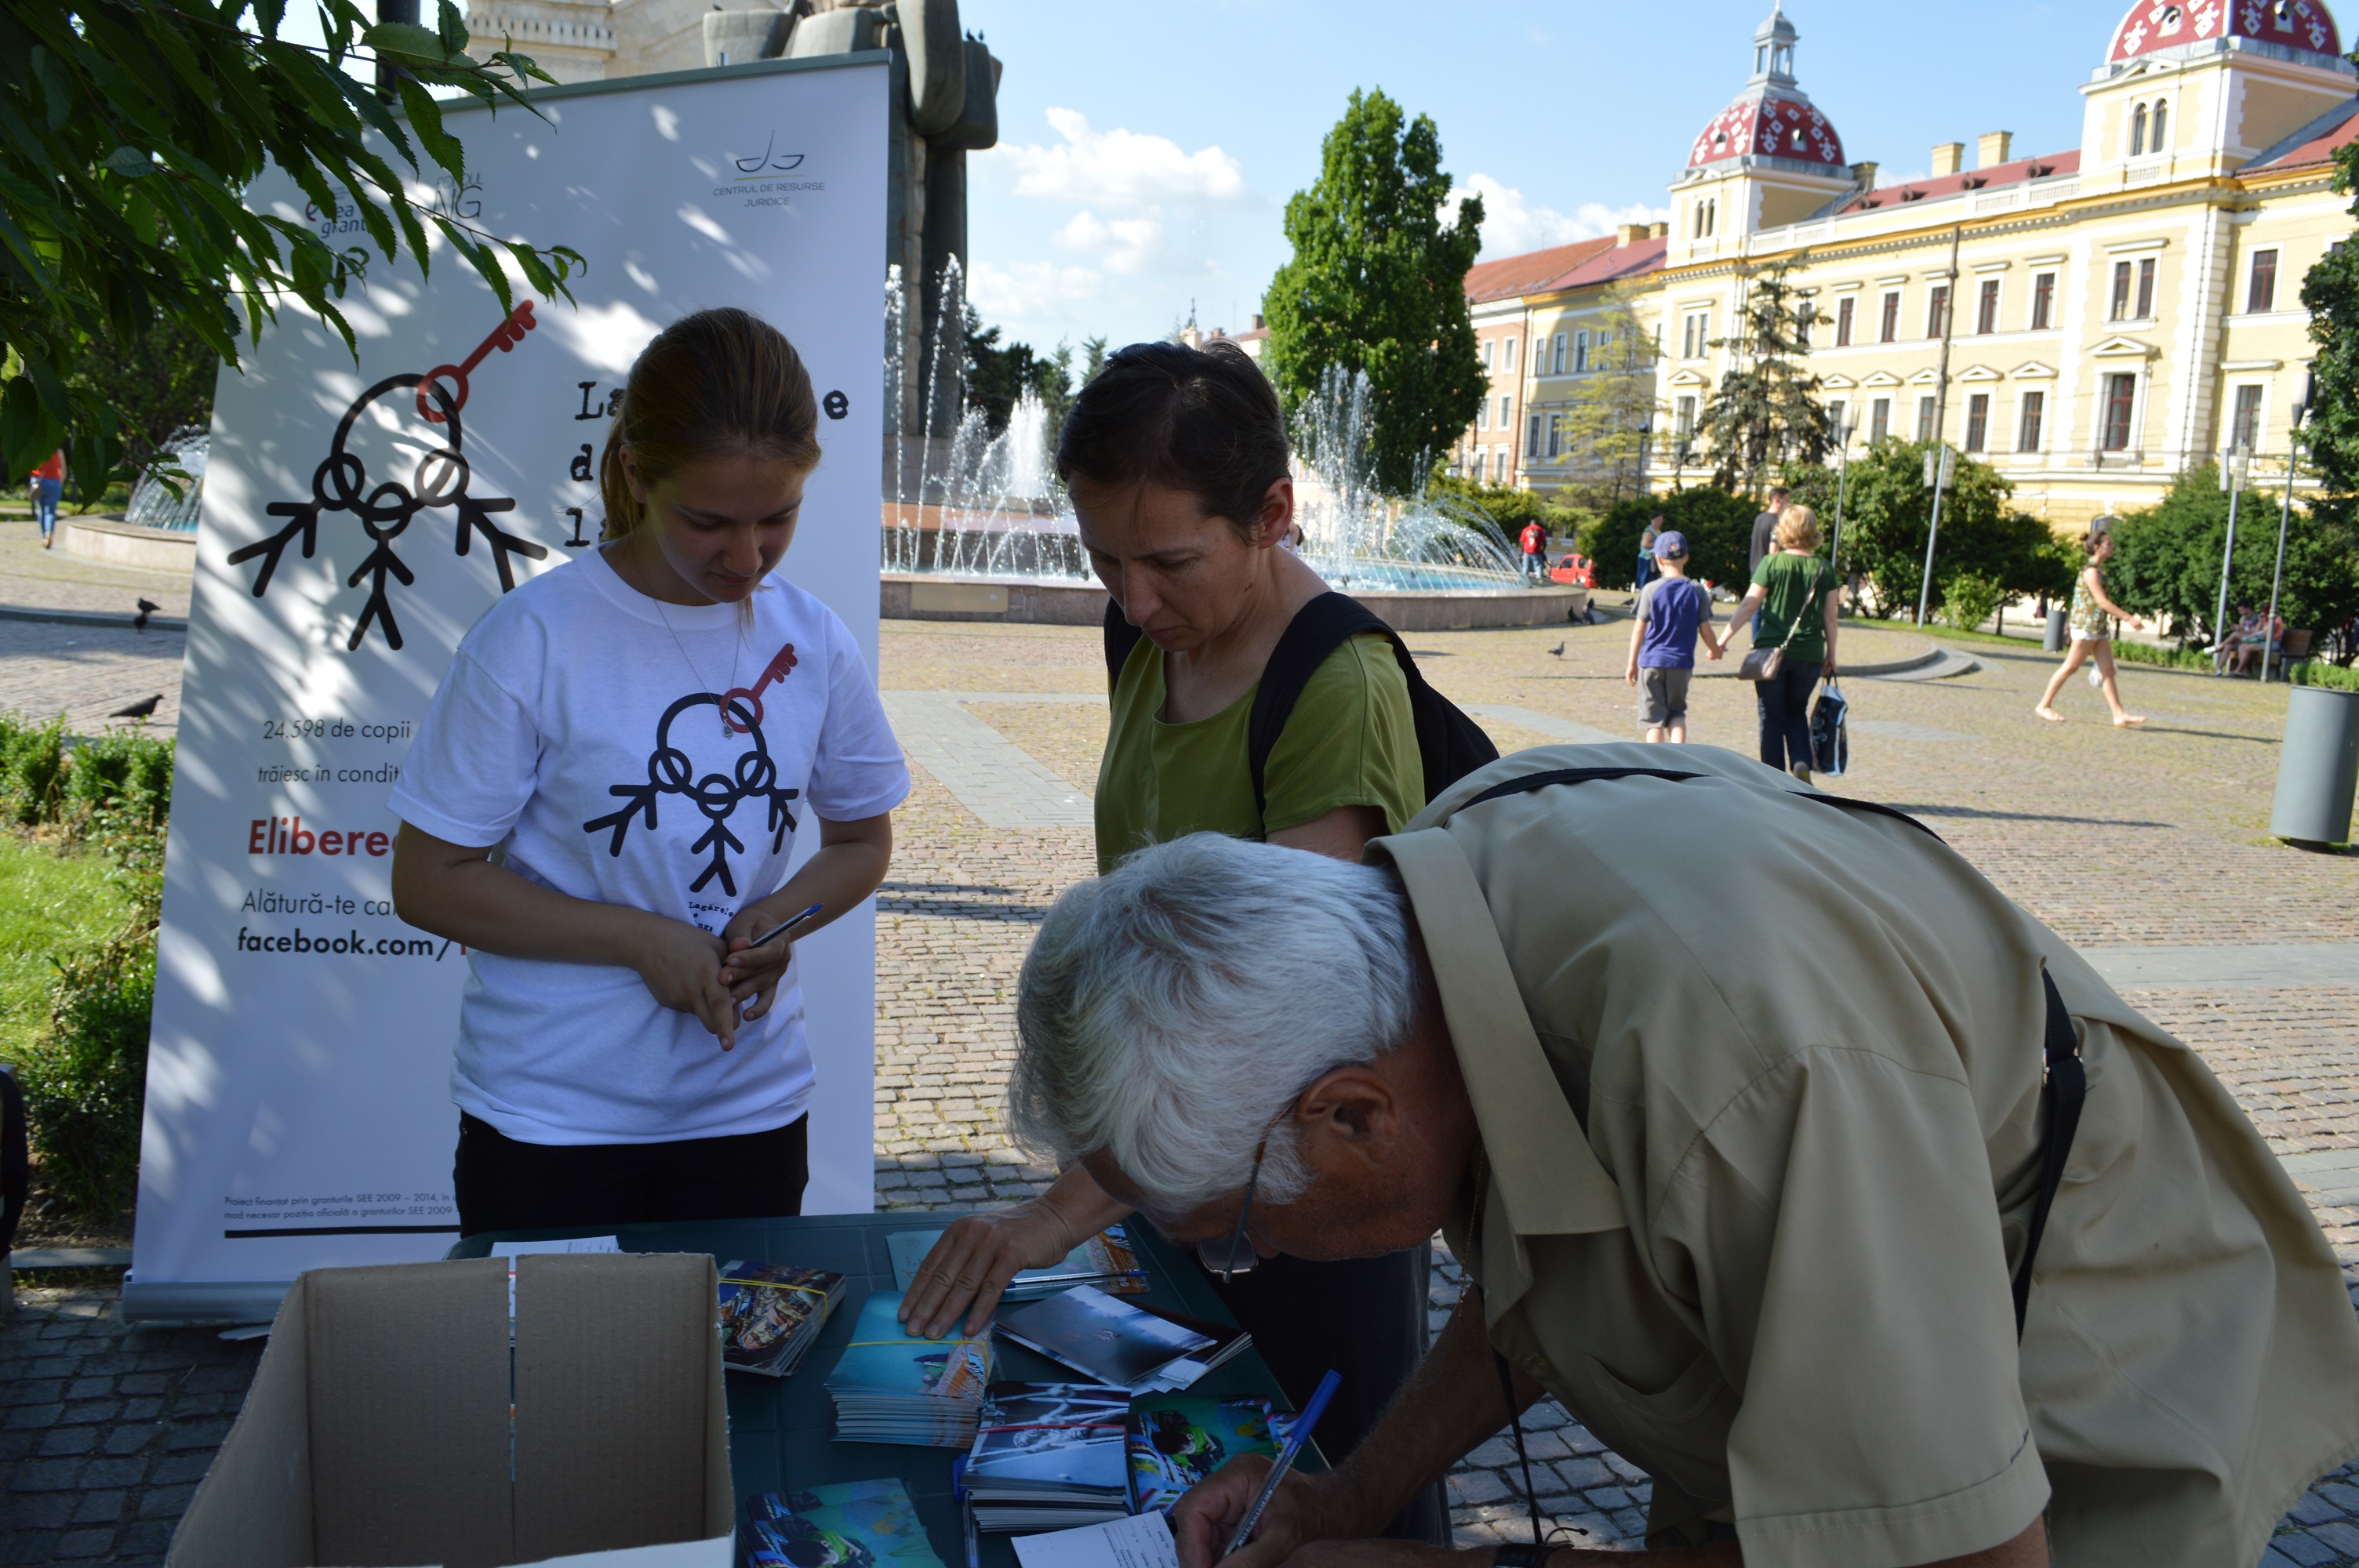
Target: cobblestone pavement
<point>35,578</point>
<point>88,672</point>
<point>2150,837</point>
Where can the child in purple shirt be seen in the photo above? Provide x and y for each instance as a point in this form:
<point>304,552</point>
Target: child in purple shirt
<point>1673,612</point>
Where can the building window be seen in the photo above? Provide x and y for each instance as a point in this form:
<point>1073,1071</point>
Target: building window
<point>1698,337</point>
<point>1837,409</point>
<point>1477,475</point>
<point>1507,413</point>
<point>2027,429</point>
<point>1986,309</point>
<point>2043,301</point>
<point>1977,420</point>
<point>2245,428</point>
<point>1556,354</point>
<point>2146,290</point>
<point>1686,416</point>
<point>1925,417</point>
<point>1488,345</point>
<point>1937,311</point>
<point>1498,465</point>
<point>2262,295</point>
<point>1889,327</point>
<point>1510,365</point>
<point>1880,419</point>
<point>2138,131</point>
<point>1483,414</point>
<point>1555,438</point>
<point>1842,321</point>
<point>1532,438</point>
<point>1802,319</point>
<point>2121,399</point>
<point>2161,124</point>
<point>1579,353</point>
<point>2121,304</point>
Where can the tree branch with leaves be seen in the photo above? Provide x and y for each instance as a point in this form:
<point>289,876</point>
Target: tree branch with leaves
<point>129,132</point>
<point>1612,409</point>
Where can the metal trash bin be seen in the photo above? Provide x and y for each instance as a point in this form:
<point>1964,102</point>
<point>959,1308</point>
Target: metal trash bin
<point>2319,767</point>
<point>2055,641</point>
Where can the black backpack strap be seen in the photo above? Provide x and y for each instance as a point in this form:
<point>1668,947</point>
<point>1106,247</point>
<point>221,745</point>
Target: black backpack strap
<point>1121,637</point>
<point>1529,782</point>
<point>2064,1084</point>
<point>1318,629</point>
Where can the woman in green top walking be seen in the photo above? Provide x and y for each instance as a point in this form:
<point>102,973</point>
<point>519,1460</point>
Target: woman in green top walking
<point>2093,633</point>
<point>1179,470</point>
<point>1796,595</point>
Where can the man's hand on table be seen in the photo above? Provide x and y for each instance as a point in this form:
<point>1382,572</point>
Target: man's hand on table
<point>969,1268</point>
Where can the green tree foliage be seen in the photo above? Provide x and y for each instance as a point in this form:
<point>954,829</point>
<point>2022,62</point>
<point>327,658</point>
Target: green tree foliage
<point>1766,416</point>
<point>997,376</point>
<point>1718,526</point>
<point>1613,407</point>
<point>1887,508</point>
<point>159,383</point>
<point>2330,292</point>
<point>1376,283</point>
<point>129,130</point>
<point>2167,559</point>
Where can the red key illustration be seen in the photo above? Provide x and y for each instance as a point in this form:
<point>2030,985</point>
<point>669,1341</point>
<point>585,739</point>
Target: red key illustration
<point>775,671</point>
<point>505,337</point>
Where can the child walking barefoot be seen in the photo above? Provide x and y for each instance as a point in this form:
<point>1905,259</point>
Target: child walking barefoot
<point>2093,637</point>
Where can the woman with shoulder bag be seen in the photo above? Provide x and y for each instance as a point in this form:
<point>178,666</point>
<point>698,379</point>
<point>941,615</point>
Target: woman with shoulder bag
<point>1177,463</point>
<point>1795,596</point>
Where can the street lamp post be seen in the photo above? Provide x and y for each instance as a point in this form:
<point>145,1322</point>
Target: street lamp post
<point>2232,464</point>
<point>1940,473</point>
<point>2285,519</point>
<point>1842,483</point>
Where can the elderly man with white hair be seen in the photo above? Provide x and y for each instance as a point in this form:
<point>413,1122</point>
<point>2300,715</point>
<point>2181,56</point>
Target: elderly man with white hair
<point>1744,1107</point>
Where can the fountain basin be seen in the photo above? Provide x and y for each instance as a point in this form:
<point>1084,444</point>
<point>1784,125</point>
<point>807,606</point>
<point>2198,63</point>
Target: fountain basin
<point>932,596</point>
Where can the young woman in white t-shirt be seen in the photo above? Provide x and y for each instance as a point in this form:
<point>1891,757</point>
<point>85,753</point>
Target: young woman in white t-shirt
<point>602,801</point>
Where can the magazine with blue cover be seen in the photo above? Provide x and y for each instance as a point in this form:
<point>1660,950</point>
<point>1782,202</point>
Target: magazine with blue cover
<point>890,1386</point>
<point>1106,1260</point>
<point>853,1524</point>
<point>1174,1441</point>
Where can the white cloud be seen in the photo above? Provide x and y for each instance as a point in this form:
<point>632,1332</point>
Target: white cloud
<point>1127,244</point>
<point>1033,290</point>
<point>1512,223</point>
<point>1115,168</point>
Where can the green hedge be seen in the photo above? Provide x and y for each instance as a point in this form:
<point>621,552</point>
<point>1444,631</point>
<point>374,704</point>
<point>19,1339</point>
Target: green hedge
<point>85,1074</point>
<point>2318,672</point>
<point>1718,526</point>
<point>2130,652</point>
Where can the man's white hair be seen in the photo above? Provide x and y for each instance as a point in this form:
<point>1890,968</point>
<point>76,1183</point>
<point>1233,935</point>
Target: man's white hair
<point>1171,1012</point>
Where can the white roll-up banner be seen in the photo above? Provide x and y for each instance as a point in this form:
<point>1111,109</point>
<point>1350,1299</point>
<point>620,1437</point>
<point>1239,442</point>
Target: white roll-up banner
<point>298,1103</point>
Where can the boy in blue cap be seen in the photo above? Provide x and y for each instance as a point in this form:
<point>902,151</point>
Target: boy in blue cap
<point>1673,612</point>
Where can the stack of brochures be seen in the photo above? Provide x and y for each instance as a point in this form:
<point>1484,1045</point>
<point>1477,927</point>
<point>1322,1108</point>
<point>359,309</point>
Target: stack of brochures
<point>1173,1440</point>
<point>853,1524</point>
<point>1121,1344</point>
<point>1105,1260</point>
<point>892,1386</point>
<point>771,1313</point>
<point>1049,1456</point>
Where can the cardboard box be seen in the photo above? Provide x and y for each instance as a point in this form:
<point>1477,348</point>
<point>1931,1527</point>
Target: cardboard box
<point>378,1433</point>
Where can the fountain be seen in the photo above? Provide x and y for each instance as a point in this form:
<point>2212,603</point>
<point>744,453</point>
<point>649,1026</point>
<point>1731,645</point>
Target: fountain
<point>982,530</point>
<point>153,505</point>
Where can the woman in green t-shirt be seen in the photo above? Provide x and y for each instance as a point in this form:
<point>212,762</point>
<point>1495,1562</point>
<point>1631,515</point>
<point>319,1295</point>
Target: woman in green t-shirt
<point>1177,462</point>
<point>1795,594</point>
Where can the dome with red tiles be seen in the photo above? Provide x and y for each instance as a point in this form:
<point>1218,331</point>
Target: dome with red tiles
<point>1772,117</point>
<point>2154,26</point>
<point>1769,125</point>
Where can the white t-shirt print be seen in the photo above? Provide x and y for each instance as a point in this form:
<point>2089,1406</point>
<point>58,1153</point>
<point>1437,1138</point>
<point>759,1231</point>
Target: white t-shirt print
<point>581,728</point>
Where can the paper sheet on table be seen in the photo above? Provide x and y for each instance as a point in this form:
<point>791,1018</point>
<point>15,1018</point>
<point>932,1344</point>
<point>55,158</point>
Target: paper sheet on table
<point>1142,1540</point>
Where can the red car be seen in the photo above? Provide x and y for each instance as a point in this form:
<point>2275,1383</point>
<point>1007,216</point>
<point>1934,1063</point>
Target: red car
<point>1575,571</point>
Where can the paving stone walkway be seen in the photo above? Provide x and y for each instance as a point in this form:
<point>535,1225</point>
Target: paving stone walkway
<point>2127,843</point>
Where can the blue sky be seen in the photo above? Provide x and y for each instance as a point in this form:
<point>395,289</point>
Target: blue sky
<point>1146,152</point>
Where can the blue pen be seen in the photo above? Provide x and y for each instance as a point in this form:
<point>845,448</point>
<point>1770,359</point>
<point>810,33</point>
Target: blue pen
<point>1295,1438</point>
<point>783,927</point>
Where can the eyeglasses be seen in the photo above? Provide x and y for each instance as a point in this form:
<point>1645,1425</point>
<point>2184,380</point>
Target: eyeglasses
<point>1223,1260</point>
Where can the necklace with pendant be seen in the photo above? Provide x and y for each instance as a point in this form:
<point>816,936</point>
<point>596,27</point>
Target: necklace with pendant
<point>737,653</point>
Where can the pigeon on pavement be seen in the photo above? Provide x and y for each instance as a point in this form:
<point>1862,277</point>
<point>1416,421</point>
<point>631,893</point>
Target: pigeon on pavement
<point>142,708</point>
<point>1558,650</point>
<point>146,607</point>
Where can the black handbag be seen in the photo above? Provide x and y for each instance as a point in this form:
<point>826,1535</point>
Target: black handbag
<point>1830,734</point>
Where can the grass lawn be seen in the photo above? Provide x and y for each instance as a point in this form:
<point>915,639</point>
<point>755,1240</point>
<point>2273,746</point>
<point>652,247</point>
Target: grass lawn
<point>48,903</point>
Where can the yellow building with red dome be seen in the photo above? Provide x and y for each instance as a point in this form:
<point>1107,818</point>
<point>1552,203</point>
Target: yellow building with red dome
<point>2114,312</point>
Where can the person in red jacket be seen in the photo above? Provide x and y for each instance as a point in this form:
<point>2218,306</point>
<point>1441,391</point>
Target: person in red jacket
<point>1535,543</point>
<point>48,481</point>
